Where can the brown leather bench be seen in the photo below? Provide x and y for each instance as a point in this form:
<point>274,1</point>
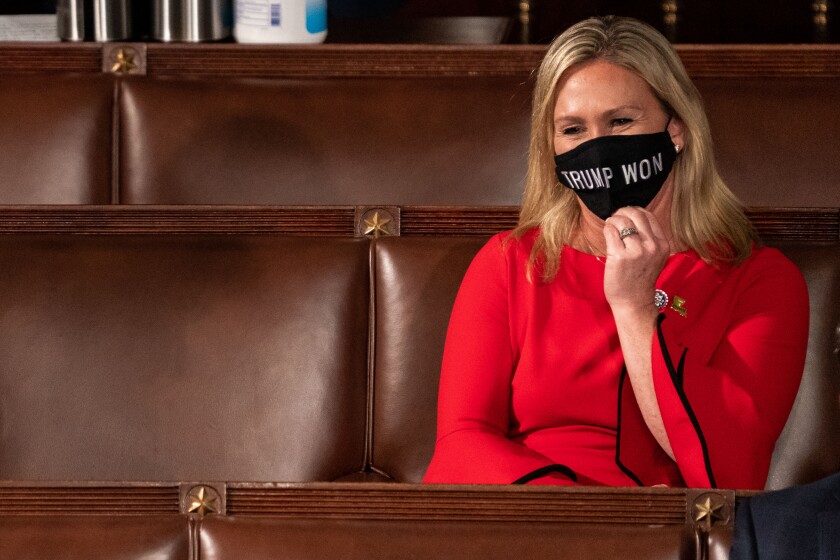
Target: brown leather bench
<point>193,348</point>
<point>340,141</point>
<point>272,358</point>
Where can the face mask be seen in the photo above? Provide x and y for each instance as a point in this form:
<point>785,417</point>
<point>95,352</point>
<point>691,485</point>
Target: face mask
<point>611,172</point>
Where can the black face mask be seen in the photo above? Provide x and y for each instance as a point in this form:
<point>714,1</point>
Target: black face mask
<point>611,172</point>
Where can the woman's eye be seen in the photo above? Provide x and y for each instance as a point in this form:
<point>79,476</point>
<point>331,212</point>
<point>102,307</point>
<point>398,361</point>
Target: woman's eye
<point>571,130</point>
<point>621,122</point>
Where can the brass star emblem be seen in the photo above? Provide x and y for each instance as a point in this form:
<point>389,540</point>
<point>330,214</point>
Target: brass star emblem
<point>123,62</point>
<point>202,501</point>
<point>375,225</point>
<point>709,513</point>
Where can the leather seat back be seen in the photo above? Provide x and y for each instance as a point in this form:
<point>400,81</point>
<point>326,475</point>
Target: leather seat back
<point>195,357</point>
<point>809,448</point>
<point>224,538</point>
<point>56,139</point>
<point>324,142</point>
<point>61,537</point>
<point>416,281</point>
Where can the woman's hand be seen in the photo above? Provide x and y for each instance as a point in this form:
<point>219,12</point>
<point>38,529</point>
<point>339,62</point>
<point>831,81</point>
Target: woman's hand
<point>635,262</point>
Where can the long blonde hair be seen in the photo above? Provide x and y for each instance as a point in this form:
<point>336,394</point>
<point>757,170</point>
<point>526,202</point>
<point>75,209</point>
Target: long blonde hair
<point>705,215</point>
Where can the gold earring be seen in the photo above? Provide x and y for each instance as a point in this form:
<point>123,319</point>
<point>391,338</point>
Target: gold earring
<point>677,147</point>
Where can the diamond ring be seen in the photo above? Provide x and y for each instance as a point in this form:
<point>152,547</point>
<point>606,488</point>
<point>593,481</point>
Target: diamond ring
<point>627,232</point>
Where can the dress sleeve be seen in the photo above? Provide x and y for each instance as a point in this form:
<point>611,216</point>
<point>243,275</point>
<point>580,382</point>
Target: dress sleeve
<point>475,386</point>
<point>724,411</point>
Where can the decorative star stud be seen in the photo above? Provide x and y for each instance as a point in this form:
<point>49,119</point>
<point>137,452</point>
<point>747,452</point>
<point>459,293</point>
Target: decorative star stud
<point>708,512</point>
<point>202,500</point>
<point>375,225</point>
<point>123,61</point>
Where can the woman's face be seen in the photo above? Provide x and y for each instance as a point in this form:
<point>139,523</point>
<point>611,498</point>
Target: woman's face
<point>601,99</point>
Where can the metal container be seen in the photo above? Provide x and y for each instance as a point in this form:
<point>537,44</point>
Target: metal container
<point>94,20</point>
<point>192,20</point>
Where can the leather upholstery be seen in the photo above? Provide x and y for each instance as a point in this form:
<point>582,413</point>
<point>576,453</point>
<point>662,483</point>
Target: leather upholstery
<point>202,357</point>
<point>103,538</point>
<point>423,141</point>
<point>441,141</point>
<point>410,330</point>
<point>285,142</point>
<point>772,138</point>
<point>416,284</point>
<point>720,542</point>
<point>182,358</point>
<point>257,539</point>
<point>809,447</point>
<point>55,139</point>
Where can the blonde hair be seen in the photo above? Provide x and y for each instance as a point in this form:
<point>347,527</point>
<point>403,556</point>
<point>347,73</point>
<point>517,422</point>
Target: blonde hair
<point>705,215</point>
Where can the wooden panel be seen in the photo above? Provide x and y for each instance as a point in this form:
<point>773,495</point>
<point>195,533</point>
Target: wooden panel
<point>736,61</point>
<point>813,224</point>
<point>761,61</point>
<point>336,60</point>
<point>379,501</point>
<point>304,221</point>
<point>665,506</point>
<point>88,498</point>
<point>343,60</point>
<point>419,220</point>
<point>36,58</point>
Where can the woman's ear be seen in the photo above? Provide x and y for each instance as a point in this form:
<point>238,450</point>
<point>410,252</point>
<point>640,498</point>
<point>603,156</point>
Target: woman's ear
<point>676,129</point>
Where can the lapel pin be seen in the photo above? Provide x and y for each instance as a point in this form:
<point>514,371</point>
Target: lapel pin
<point>679,305</point>
<point>660,300</point>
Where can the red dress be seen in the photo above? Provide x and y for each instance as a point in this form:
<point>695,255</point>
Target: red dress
<point>533,386</point>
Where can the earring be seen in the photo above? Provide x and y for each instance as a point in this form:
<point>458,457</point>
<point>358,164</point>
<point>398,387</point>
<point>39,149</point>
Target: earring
<point>677,147</point>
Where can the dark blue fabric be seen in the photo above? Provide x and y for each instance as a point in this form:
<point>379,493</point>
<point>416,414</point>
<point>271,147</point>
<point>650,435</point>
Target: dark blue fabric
<point>801,522</point>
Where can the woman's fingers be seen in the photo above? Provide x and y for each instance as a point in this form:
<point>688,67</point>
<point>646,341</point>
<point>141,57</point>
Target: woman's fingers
<point>634,261</point>
<point>645,222</point>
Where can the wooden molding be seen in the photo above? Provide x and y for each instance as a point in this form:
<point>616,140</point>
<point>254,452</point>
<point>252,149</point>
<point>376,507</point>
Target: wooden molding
<point>665,506</point>
<point>773,224</point>
<point>80,498</point>
<point>50,58</point>
<point>370,501</point>
<point>360,60</point>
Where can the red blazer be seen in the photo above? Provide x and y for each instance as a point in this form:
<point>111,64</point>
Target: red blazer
<point>533,386</point>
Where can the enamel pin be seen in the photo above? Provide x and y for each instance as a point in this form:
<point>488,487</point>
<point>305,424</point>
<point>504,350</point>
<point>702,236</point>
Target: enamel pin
<point>679,305</point>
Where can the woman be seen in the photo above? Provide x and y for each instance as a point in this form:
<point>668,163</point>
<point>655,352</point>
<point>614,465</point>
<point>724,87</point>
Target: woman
<point>629,331</point>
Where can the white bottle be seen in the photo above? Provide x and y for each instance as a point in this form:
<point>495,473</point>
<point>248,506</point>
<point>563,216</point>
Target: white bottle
<point>280,21</point>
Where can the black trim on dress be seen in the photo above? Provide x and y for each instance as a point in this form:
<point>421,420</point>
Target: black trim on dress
<point>677,377</point>
<point>542,471</point>
<point>618,462</point>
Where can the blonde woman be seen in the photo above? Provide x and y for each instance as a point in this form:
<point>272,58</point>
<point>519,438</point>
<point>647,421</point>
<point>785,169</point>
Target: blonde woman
<point>630,331</point>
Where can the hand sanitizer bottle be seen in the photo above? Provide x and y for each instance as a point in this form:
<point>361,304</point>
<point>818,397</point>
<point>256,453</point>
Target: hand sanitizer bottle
<point>280,21</point>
